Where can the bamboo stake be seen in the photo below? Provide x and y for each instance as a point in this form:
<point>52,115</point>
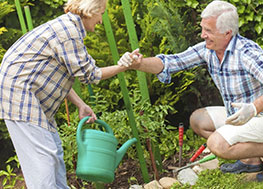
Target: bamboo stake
<point>28,18</point>
<point>115,55</point>
<point>141,75</point>
<point>20,16</point>
<point>135,44</point>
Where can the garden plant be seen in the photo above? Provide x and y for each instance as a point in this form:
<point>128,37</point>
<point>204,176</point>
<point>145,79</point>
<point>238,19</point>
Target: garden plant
<point>162,26</point>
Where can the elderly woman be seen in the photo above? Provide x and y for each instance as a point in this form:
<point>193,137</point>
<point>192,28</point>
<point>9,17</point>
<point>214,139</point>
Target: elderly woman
<point>36,75</point>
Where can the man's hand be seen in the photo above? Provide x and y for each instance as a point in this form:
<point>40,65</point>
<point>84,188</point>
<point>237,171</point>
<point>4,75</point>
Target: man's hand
<point>85,111</point>
<point>128,58</point>
<point>243,115</point>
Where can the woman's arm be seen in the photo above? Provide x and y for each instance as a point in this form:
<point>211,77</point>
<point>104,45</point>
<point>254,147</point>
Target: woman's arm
<point>84,109</point>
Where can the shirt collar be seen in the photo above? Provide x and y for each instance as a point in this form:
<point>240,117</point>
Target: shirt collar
<point>232,45</point>
<point>78,22</point>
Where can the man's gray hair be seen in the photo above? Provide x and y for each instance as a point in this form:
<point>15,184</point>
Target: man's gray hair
<point>226,14</point>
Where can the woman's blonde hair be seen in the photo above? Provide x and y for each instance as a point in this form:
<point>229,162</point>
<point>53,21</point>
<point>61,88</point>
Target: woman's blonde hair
<point>84,8</point>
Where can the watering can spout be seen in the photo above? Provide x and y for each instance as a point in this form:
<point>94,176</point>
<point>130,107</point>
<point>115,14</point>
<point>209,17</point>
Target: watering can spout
<point>122,150</point>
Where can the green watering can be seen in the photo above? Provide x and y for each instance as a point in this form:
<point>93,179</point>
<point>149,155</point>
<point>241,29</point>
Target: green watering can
<point>98,156</point>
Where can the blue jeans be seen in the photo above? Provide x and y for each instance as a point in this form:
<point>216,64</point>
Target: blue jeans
<point>40,154</point>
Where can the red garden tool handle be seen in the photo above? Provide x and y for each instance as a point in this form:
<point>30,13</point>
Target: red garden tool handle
<point>198,152</point>
<point>181,134</point>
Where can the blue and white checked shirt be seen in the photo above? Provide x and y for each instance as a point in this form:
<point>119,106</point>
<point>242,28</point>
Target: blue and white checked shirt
<point>239,77</point>
<point>38,71</point>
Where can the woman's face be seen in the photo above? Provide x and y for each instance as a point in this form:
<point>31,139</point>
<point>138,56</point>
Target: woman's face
<point>91,22</point>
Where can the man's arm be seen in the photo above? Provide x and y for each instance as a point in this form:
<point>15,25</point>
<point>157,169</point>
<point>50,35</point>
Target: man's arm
<point>152,65</point>
<point>136,61</point>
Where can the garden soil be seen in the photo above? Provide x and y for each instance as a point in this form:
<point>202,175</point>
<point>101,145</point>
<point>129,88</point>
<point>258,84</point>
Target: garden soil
<point>127,173</point>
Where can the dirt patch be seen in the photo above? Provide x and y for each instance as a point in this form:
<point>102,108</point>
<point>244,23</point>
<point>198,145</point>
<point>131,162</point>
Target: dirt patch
<point>127,173</point>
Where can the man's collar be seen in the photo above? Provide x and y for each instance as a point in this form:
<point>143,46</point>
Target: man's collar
<point>232,44</point>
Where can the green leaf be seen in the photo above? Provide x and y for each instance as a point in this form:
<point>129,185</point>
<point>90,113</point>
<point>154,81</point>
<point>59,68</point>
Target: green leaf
<point>259,28</point>
<point>192,3</point>
<point>4,181</point>
<point>2,30</point>
<point>241,9</point>
<point>241,22</point>
<point>2,172</point>
<point>250,16</point>
<point>9,169</point>
<point>258,17</point>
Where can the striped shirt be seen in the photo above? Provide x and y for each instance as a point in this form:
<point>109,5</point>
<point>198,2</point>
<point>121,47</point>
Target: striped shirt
<point>239,77</point>
<point>38,71</point>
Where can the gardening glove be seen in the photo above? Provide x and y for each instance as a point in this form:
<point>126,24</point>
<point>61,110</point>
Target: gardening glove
<point>125,60</point>
<point>243,115</point>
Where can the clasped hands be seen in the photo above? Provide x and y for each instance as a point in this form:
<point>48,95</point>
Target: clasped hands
<point>243,115</point>
<point>128,59</point>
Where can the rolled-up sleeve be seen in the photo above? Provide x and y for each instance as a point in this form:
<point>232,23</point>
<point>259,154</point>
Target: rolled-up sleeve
<point>73,54</point>
<point>190,58</point>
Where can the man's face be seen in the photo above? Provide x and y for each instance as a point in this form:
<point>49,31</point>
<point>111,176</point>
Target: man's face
<point>214,40</point>
<point>90,23</point>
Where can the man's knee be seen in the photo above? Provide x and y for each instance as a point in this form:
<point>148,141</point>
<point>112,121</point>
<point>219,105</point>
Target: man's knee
<point>218,145</point>
<point>195,118</point>
<point>200,121</point>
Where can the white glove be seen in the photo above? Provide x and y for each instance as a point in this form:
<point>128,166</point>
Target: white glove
<point>125,60</point>
<point>243,115</point>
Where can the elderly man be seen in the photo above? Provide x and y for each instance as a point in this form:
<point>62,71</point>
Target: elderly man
<point>235,63</point>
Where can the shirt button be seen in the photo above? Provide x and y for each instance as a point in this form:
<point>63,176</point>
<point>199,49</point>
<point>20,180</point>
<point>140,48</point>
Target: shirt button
<point>221,72</point>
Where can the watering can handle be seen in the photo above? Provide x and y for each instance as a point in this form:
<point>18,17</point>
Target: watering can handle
<point>83,121</point>
<point>98,121</point>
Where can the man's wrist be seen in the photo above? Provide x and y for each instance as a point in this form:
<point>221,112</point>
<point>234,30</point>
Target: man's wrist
<point>255,109</point>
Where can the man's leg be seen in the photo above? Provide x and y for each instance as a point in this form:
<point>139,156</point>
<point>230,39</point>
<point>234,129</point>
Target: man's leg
<point>244,143</point>
<point>241,150</point>
<point>205,121</point>
<point>37,152</point>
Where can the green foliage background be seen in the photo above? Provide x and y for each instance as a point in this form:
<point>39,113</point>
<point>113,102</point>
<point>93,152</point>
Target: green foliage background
<point>163,26</point>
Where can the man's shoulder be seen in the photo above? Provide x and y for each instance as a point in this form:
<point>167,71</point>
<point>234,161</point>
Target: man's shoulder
<point>249,49</point>
<point>244,44</point>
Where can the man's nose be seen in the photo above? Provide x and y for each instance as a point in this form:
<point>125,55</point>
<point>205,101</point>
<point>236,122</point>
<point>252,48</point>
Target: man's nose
<point>203,34</point>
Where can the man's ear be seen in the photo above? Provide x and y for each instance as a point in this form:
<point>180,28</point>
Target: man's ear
<point>228,34</point>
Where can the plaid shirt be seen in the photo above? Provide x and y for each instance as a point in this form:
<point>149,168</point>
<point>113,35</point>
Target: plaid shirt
<point>239,77</point>
<point>38,71</point>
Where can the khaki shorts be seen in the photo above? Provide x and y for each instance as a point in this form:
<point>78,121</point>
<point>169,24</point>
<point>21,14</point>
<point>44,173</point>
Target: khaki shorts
<point>252,131</point>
